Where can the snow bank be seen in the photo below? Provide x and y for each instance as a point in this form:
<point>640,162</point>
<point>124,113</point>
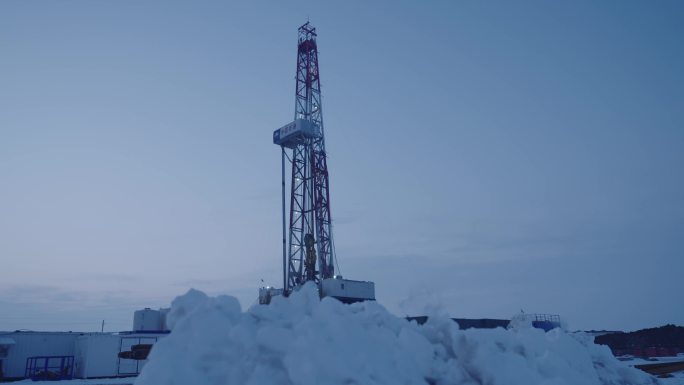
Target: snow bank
<point>306,341</point>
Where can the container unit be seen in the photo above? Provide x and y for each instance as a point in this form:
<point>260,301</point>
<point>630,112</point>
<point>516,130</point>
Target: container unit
<point>5,344</point>
<point>97,355</point>
<point>32,344</point>
<point>147,320</point>
<point>347,290</point>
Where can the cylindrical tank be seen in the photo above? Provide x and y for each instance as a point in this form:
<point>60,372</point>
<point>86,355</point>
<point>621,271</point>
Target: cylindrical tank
<point>147,320</point>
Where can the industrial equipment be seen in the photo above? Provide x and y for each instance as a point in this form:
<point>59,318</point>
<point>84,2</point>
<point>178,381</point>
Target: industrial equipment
<point>308,248</point>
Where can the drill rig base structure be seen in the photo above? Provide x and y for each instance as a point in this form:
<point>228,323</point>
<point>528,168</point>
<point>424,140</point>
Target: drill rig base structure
<point>308,249</point>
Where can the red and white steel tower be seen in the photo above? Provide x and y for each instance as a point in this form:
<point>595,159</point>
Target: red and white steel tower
<point>308,249</point>
<point>309,254</point>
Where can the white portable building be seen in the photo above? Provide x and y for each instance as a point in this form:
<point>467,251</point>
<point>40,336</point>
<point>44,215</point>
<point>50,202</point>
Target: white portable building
<point>347,290</point>
<point>97,355</point>
<point>31,344</point>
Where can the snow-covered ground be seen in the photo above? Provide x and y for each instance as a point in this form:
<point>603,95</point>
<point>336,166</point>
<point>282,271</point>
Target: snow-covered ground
<point>657,360</point>
<point>99,381</point>
<point>306,341</point>
<point>676,379</point>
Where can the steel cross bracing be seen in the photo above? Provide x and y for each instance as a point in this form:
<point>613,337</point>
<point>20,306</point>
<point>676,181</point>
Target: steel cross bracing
<point>309,196</point>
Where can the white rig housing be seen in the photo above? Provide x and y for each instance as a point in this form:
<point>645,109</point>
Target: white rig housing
<point>293,133</point>
<point>347,290</point>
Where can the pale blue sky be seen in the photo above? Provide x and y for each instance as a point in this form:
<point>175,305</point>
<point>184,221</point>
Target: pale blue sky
<point>485,157</point>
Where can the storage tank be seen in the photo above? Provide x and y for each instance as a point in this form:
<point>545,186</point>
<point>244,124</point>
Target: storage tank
<point>147,320</point>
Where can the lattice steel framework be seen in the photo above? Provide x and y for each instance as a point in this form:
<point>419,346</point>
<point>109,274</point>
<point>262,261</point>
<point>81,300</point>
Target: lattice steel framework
<point>310,221</point>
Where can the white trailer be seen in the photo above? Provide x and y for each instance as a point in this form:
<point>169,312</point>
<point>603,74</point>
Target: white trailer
<point>97,355</point>
<point>31,344</point>
<point>347,290</point>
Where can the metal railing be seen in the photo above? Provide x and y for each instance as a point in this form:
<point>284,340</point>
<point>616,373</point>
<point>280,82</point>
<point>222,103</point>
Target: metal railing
<point>50,368</point>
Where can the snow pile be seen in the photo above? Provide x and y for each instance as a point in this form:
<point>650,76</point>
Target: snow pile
<point>306,341</point>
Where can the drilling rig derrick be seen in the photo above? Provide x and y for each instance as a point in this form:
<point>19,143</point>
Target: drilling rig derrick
<point>308,248</point>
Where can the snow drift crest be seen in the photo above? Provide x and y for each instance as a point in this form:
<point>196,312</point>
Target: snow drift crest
<point>308,341</point>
